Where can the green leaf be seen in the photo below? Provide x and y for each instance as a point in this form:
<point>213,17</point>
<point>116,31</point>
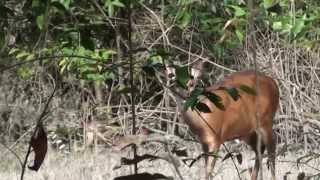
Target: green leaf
<point>40,21</point>
<point>110,10</point>
<point>109,75</point>
<point>298,26</point>
<point>182,76</point>
<point>150,66</point>
<point>84,52</point>
<point>22,55</point>
<point>186,19</point>
<point>94,77</point>
<point>107,53</point>
<point>238,11</point>
<point>118,3</point>
<point>87,69</point>
<point>202,107</point>
<point>14,51</point>
<point>213,8</point>
<point>156,57</point>
<point>190,102</point>
<point>277,25</point>
<point>25,72</point>
<point>63,64</point>
<point>30,57</point>
<point>267,3</point>
<point>64,3</point>
<point>193,100</point>
<point>218,50</point>
<point>248,89</point>
<point>215,99</point>
<point>67,51</point>
<point>110,5</point>
<point>35,3</point>
<point>233,92</point>
<point>239,35</point>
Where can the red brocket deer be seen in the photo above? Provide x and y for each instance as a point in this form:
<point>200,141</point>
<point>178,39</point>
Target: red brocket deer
<point>241,119</point>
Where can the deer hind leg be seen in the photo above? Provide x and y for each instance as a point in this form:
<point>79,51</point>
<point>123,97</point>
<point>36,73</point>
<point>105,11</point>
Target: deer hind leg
<point>253,142</point>
<point>271,148</point>
<point>211,151</point>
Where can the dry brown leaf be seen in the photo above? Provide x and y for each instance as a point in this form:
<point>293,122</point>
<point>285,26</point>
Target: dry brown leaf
<point>39,144</point>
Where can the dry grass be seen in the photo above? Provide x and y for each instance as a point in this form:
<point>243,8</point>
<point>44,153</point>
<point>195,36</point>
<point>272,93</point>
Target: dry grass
<point>98,165</point>
<point>297,124</point>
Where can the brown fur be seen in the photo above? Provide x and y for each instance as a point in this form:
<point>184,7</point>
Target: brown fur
<point>239,119</point>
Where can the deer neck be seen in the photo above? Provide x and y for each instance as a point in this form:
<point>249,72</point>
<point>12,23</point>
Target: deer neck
<point>179,95</point>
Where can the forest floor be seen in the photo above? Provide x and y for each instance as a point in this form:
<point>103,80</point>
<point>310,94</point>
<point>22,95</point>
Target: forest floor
<point>99,164</point>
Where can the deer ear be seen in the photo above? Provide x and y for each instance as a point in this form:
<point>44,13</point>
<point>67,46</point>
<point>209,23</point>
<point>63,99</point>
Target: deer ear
<point>195,73</point>
<point>197,68</point>
<point>170,72</point>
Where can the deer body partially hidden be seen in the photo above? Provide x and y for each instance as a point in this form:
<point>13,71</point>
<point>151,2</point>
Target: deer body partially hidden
<point>242,119</point>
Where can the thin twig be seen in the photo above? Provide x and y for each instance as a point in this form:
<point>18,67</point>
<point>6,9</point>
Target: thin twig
<point>132,86</point>
<point>53,58</point>
<point>225,147</point>
<point>38,124</point>
<point>13,152</point>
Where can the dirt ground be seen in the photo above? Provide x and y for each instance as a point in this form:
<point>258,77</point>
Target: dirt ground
<point>98,164</point>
